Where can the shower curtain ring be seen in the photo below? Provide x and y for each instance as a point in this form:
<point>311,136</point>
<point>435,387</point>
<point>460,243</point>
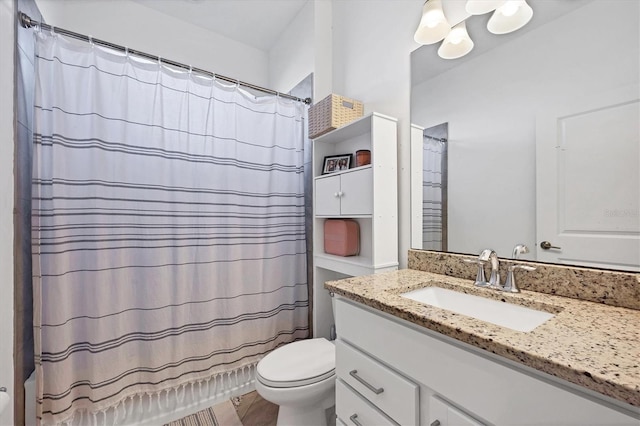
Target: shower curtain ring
<point>91,41</point>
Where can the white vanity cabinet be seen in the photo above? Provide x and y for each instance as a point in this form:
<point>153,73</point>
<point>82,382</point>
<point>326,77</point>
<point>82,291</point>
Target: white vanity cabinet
<point>458,384</point>
<point>366,194</point>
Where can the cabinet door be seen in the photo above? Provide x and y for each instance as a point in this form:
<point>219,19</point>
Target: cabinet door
<point>356,193</point>
<point>328,196</point>
<point>443,414</point>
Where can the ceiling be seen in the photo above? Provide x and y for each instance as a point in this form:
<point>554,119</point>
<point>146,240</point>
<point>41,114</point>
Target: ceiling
<point>257,23</point>
<point>425,62</point>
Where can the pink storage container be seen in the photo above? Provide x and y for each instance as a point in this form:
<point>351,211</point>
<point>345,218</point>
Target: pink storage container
<point>341,237</point>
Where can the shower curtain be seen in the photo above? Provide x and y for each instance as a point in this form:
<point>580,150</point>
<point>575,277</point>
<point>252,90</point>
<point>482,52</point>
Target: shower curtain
<point>432,151</point>
<point>168,232</point>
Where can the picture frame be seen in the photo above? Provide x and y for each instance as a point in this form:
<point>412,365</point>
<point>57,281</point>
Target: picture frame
<point>336,163</point>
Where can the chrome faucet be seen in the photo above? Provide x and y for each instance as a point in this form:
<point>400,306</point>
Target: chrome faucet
<point>488,255</point>
<point>510,284</point>
<point>518,250</point>
<point>485,256</point>
<point>491,256</point>
<point>481,279</point>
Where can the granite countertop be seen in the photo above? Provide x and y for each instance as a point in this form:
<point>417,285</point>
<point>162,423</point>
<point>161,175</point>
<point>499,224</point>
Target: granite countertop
<point>592,345</point>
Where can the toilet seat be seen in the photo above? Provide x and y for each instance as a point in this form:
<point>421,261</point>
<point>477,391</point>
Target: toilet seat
<point>298,364</point>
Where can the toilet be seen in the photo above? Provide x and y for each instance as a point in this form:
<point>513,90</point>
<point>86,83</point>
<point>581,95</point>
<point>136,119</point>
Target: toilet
<point>300,378</point>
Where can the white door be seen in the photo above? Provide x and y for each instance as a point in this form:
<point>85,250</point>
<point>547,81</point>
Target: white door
<point>588,181</point>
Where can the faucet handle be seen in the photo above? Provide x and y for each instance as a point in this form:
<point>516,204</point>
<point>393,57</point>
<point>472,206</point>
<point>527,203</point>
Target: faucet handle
<point>521,266</point>
<point>510,284</point>
<point>518,250</point>
<point>481,279</point>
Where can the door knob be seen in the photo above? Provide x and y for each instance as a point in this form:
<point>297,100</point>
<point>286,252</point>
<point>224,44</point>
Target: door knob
<point>546,245</point>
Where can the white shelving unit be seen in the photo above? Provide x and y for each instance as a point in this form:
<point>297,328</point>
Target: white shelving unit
<point>367,194</point>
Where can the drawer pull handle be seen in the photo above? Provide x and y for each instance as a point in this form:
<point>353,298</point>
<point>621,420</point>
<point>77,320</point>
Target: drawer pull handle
<point>353,419</point>
<point>354,374</point>
<point>435,423</point>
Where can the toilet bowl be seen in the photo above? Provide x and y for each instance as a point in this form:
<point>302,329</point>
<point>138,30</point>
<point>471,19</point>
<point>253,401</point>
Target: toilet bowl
<point>300,378</point>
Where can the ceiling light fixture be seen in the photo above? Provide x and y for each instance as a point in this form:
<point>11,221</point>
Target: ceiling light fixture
<point>508,16</point>
<point>433,25</point>
<point>480,7</point>
<point>511,16</point>
<point>457,43</point>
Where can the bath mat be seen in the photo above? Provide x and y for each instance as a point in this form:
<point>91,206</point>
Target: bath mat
<point>223,414</point>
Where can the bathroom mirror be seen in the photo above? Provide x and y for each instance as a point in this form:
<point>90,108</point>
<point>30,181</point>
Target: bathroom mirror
<point>510,99</point>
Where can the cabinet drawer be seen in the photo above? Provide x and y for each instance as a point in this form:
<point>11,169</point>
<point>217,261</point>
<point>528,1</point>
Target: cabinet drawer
<point>353,410</point>
<point>389,391</point>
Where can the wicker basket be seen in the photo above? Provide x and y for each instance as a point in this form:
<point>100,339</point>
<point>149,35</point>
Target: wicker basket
<point>332,112</point>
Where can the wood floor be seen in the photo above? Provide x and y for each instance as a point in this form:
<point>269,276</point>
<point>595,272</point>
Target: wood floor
<point>255,411</point>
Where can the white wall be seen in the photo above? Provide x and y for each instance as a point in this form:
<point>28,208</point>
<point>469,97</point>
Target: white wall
<point>372,41</point>
<point>291,58</point>
<point>7,34</point>
<point>305,47</point>
<point>130,24</point>
<point>323,46</point>
<point>491,101</point>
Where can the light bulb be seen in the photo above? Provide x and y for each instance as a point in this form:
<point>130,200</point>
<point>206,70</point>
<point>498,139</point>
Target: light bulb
<point>456,35</point>
<point>457,43</point>
<point>512,15</point>
<point>509,8</point>
<point>433,25</point>
<point>433,18</point>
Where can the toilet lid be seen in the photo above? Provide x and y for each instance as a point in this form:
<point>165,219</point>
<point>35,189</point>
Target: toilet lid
<point>299,363</point>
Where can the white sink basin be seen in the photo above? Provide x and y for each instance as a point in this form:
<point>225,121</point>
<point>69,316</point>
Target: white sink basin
<point>503,314</point>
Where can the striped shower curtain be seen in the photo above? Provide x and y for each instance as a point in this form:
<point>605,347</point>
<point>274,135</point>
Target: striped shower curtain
<point>168,233</point>
<point>432,196</point>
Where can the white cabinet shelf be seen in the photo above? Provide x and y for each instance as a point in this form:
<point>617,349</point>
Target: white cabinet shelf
<point>353,266</point>
<point>366,194</point>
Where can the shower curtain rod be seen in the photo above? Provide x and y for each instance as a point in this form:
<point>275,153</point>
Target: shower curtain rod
<point>27,22</point>
<point>435,139</point>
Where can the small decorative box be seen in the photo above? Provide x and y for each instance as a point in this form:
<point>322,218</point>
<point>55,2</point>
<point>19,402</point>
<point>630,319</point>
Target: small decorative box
<point>341,237</point>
